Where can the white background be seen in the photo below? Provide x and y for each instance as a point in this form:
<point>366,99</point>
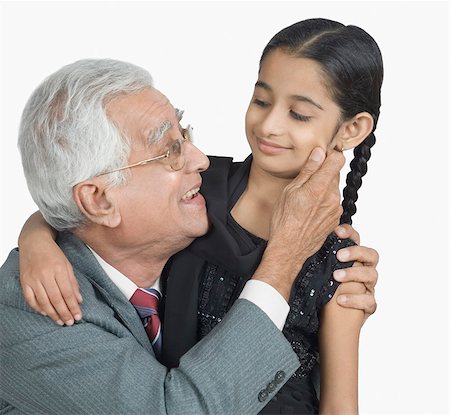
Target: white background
<point>204,56</point>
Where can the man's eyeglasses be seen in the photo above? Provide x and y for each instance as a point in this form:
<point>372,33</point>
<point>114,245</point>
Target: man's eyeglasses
<point>174,155</point>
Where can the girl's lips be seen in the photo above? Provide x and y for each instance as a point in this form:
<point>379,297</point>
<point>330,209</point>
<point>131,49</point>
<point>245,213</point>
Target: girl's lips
<point>267,147</point>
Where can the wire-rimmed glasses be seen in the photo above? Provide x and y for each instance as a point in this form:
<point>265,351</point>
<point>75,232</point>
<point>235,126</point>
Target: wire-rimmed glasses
<point>174,154</point>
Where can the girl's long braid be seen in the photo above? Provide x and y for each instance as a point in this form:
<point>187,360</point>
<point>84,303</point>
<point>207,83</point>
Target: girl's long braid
<point>358,168</point>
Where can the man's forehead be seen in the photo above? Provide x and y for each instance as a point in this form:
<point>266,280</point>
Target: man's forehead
<point>147,114</point>
<point>145,100</point>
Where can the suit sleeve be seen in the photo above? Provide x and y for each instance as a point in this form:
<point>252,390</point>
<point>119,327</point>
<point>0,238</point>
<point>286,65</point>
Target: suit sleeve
<point>88,368</point>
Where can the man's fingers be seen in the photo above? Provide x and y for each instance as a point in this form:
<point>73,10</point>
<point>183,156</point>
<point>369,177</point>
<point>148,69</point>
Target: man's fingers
<point>363,254</point>
<point>365,302</point>
<point>313,164</point>
<point>367,275</point>
<point>335,182</point>
<point>330,167</point>
<point>346,231</point>
<point>326,179</point>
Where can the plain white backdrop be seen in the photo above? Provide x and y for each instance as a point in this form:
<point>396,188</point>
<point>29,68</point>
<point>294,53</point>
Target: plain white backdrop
<point>204,57</point>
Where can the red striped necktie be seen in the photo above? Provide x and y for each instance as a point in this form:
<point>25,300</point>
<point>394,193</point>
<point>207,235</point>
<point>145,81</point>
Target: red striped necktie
<point>145,301</point>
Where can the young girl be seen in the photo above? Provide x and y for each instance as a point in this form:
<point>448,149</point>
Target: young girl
<point>318,85</point>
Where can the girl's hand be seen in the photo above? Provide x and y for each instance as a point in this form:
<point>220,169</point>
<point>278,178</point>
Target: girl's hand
<point>49,284</point>
<point>46,276</point>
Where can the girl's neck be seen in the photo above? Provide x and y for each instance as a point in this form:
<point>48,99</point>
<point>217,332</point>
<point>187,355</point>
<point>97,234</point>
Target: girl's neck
<point>253,210</point>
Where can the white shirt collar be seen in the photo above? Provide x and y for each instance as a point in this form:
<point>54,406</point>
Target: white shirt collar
<point>123,283</point>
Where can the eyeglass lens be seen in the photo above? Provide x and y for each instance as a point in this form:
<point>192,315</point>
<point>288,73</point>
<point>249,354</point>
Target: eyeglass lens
<point>176,156</point>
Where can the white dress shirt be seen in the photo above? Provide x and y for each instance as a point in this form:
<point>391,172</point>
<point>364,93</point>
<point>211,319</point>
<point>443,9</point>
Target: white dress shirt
<point>263,295</point>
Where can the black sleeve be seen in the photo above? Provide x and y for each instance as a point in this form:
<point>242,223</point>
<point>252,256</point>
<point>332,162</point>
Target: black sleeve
<point>313,288</point>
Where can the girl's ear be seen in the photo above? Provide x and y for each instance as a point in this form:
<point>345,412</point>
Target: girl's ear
<point>354,131</point>
<point>97,203</point>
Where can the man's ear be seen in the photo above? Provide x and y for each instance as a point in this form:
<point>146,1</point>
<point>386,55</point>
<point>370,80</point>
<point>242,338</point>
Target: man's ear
<point>97,203</point>
<point>354,131</point>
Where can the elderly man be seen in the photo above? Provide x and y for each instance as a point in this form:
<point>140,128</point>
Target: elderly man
<point>83,131</point>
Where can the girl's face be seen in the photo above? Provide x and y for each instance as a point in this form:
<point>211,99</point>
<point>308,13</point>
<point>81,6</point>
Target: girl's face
<point>291,112</point>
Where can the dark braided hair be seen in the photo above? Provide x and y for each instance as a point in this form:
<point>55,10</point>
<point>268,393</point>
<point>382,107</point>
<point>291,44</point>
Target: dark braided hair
<point>352,64</point>
<point>358,168</point>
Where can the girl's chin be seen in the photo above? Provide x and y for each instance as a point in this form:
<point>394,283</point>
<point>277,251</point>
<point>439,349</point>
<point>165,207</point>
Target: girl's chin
<point>276,170</point>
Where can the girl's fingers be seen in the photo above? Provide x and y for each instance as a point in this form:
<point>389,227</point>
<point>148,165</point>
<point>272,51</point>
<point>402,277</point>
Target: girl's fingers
<point>68,308</point>
<point>46,303</point>
<point>28,293</point>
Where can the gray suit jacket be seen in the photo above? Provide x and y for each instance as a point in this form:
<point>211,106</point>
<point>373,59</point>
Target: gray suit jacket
<point>105,364</point>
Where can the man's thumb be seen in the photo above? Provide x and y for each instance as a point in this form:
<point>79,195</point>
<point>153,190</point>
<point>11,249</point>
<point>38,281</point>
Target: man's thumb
<point>315,160</point>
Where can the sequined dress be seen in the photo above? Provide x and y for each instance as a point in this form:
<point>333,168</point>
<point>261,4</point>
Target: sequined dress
<point>226,258</point>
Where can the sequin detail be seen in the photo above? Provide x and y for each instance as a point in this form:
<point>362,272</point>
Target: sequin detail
<point>313,288</point>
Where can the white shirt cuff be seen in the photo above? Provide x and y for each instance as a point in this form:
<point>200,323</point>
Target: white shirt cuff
<point>268,299</point>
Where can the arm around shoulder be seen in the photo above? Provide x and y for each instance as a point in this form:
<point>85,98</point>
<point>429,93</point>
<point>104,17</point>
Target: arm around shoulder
<point>46,276</point>
<point>99,366</point>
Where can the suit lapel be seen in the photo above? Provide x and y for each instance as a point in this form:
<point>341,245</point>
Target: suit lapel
<point>125,312</point>
<point>84,261</point>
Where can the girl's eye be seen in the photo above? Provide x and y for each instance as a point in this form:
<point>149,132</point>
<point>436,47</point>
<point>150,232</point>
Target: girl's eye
<point>299,117</point>
<point>262,104</point>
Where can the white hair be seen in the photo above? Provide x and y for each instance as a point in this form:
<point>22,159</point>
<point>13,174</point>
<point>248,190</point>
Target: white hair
<point>65,136</point>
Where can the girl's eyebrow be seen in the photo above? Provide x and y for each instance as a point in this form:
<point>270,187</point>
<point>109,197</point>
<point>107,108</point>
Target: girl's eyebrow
<point>263,85</point>
<point>301,98</point>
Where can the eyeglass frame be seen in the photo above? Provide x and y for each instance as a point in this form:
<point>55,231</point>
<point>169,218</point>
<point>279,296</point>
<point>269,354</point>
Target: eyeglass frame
<point>187,136</point>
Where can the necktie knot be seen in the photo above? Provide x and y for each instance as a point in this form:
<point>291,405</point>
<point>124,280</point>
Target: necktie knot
<point>145,301</point>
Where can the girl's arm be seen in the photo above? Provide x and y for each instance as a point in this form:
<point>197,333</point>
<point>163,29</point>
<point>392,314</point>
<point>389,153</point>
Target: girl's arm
<point>338,343</point>
<point>46,276</point>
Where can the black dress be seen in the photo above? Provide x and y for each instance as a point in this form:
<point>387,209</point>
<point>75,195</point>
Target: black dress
<point>202,282</point>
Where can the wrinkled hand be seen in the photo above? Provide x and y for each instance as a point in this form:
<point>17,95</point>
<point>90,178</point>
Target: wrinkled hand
<point>49,284</point>
<point>363,270</point>
<point>307,212</point>
<point>309,208</point>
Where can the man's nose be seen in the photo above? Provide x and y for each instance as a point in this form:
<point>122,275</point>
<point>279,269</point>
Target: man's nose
<point>196,161</point>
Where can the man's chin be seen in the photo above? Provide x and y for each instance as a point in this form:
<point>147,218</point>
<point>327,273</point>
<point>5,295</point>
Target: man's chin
<point>203,229</point>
